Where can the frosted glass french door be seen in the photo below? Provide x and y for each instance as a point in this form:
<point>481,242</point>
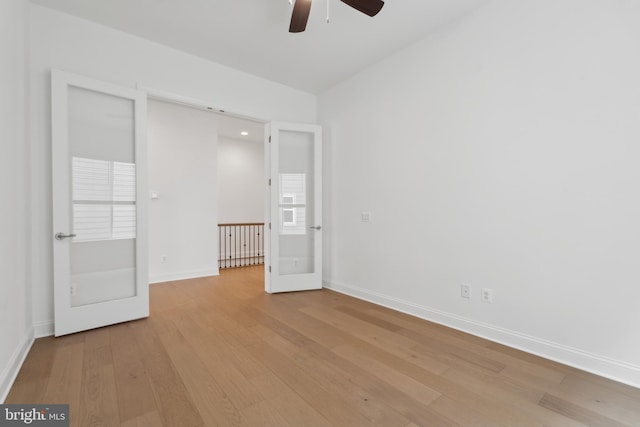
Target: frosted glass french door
<point>99,211</point>
<point>295,198</point>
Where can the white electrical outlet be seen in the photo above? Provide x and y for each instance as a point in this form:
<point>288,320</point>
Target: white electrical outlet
<point>163,258</point>
<point>365,216</point>
<point>487,295</point>
<point>73,290</point>
<point>465,291</point>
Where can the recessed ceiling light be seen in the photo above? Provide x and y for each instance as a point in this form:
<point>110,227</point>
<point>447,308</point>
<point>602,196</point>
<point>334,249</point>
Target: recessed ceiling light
<point>244,133</point>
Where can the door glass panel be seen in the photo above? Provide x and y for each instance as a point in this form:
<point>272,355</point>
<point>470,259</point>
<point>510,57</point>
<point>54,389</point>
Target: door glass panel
<point>295,202</point>
<point>103,180</point>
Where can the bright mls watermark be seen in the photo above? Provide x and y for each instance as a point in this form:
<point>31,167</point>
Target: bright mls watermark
<point>34,415</point>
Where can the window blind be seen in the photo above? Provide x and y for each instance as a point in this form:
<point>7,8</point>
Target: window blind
<point>293,200</point>
<point>104,199</point>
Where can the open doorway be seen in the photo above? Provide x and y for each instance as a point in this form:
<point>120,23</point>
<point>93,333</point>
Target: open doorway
<point>205,169</point>
<point>291,203</point>
<point>241,200</point>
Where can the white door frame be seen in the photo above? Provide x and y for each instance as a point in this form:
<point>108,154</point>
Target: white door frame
<point>162,95</point>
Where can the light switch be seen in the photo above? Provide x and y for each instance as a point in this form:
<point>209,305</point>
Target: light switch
<point>155,195</point>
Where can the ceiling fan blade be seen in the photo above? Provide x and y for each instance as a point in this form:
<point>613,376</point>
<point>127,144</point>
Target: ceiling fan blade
<point>368,7</point>
<point>300,16</point>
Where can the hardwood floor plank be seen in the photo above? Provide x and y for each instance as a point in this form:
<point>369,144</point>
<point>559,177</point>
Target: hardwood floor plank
<point>444,350</point>
<point>135,395</point>
<point>481,402</point>
<point>524,400</point>
<point>423,327</point>
<point>232,340</point>
<point>376,336</point>
<point>235,385</point>
<point>66,379</point>
<point>603,388</point>
<point>379,390</point>
<point>31,382</point>
<point>578,413</point>
<point>616,405</point>
<point>412,389</point>
<point>530,358</point>
<point>514,366</point>
<point>315,329</point>
<point>98,400</point>
<point>455,356</point>
<point>367,400</point>
<point>331,377</point>
<point>98,397</point>
<point>213,404</point>
<point>404,383</point>
<point>233,326</point>
<point>165,297</point>
<point>436,339</point>
<point>172,399</point>
<point>263,414</point>
<point>293,408</point>
<point>374,320</point>
<point>461,413</point>
<point>288,348</point>
<point>324,401</point>
<point>286,332</point>
<point>378,411</point>
<point>152,419</point>
<point>531,375</point>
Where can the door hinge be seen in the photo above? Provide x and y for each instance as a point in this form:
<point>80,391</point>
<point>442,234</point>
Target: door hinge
<point>269,138</point>
<point>269,269</point>
<point>269,181</point>
<point>269,226</point>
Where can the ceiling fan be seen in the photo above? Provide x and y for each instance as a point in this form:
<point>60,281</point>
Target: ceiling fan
<point>301,10</point>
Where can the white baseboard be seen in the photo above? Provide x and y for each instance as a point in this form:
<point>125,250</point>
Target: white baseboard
<point>10,372</point>
<point>182,275</point>
<point>616,370</point>
<point>43,329</point>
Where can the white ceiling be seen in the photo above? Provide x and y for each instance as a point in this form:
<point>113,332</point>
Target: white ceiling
<point>230,127</point>
<point>252,35</point>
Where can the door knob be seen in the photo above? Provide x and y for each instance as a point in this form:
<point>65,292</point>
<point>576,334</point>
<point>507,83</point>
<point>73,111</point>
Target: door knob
<point>61,236</point>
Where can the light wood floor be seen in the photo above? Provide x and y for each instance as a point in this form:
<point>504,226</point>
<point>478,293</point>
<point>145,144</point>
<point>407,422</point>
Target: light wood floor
<point>219,351</point>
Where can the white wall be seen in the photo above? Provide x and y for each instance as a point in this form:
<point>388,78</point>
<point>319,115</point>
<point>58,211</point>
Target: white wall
<point>241,181</point>
<point>16,333</point>
<point>183,163</point>
<point>72,44</point>
<point>501,152</point>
